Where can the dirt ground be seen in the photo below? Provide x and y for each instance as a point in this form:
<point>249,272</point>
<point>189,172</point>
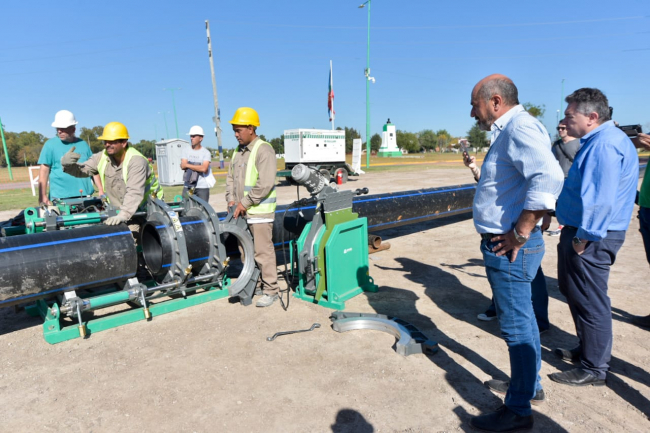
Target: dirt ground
<point>210,369</point>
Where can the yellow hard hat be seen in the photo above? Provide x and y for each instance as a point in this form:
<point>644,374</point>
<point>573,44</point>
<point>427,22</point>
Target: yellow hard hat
<point>114,131</point>
<point>245,116</point>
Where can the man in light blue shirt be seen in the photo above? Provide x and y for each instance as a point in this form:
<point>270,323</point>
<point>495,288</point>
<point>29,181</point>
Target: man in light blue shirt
<point>520,181</point>
<point>595,208</point>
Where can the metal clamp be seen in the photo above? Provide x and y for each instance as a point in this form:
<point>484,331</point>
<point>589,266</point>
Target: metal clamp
<point>409,339</point>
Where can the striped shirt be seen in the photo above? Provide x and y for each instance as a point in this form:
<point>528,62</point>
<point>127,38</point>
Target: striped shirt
<point>519,173</point>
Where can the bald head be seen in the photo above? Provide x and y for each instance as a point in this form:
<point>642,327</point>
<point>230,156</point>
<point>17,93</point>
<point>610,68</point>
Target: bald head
<point>498,84</point>
<point>492,97</point>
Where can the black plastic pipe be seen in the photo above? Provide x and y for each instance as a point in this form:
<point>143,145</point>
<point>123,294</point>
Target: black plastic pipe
<point>39,265</point>
<point>382,210</point>
<point>158,248</point>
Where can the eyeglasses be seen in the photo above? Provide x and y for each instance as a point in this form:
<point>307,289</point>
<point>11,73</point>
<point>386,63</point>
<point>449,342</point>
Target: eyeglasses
<point>561,128</point>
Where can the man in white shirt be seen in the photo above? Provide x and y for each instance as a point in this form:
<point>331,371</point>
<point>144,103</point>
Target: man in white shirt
<point>196,163</point>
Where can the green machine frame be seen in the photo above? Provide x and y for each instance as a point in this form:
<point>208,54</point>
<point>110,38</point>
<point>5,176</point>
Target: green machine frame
<point>57,330</point>
<point>339,260</point>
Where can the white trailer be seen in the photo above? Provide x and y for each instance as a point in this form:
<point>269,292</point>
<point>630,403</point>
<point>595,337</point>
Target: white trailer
<point>323,149</point>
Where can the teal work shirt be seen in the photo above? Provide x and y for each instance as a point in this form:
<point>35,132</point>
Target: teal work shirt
<point>62,185</point>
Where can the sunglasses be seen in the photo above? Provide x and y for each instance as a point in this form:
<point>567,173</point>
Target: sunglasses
<point>561,128</point>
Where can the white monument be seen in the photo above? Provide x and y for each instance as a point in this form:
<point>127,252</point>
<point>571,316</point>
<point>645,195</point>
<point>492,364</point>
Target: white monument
<point>389,142</point>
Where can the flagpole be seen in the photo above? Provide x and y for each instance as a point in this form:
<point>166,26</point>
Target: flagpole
<point>332,85</point>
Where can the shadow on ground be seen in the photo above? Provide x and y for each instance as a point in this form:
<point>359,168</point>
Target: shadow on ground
<point>455,299</point>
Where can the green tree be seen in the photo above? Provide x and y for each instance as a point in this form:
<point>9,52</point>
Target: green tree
<point>375,143</point>
<point>278,144</point>
<point>146,147</point>
<point>536,111</point>
<point>444,138</point>
<point>477,137</point>
<point>89,135</point>
<point>23,147</point>
<point>428,139</point>
<point>350,135</point>
<point>408,141</point>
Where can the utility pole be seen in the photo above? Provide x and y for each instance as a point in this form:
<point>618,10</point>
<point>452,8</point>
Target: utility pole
<point>174,105</point>
<point>368,80</point>
<point>217,113</point>
<point>4,145</point>
<point>155,127</point>
<point>562,98</point>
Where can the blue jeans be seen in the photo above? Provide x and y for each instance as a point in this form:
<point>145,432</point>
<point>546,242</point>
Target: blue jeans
<point>511,289</point>
<point>540,301</point>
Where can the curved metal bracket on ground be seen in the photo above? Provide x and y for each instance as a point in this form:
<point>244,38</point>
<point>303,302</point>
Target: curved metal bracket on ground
<point>409,339</point>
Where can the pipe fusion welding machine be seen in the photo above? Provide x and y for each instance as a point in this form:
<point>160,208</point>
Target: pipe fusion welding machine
<point>64,265</point>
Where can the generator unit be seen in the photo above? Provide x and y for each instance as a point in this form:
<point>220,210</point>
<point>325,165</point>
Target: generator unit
<point>322,149</point>
<point>168,155</point>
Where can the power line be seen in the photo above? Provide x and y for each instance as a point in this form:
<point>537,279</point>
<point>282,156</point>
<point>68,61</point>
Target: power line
<point>58,56</point>
<point>481,41</point>
<point>476,26</point>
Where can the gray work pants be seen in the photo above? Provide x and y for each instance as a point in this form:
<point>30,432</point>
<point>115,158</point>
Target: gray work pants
<point>265,257</point>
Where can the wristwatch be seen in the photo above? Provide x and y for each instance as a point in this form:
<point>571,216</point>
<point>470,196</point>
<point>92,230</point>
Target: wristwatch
<point>521,239</point>
<point>577,241</point>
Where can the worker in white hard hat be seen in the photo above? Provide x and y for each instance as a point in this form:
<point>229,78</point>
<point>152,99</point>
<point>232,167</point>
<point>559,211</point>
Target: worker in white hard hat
<point>62,185</point>
<point>250,190</point>
<point>196,163</point>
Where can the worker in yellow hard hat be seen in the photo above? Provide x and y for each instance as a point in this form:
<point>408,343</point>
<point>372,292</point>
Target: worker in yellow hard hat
<point>126,175</point>
<point>250,192</point>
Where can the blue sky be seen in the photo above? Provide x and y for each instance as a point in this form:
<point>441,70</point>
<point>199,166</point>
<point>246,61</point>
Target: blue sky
<point>110,61</point>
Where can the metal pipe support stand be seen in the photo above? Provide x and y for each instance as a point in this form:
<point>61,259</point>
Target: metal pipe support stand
<point>57,327</point>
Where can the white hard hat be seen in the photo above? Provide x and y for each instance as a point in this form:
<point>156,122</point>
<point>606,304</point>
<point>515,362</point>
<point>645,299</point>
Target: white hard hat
<point>63,119</point>
<point>196,130</point>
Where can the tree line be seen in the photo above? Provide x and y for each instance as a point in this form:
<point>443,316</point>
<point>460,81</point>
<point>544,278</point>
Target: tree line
<point>25,147</point>
<point>426,140</point>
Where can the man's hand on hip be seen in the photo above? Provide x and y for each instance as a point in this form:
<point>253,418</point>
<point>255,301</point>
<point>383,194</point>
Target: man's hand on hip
<point>70,158</point>
<point>580,248</point>
<point>507,243</point>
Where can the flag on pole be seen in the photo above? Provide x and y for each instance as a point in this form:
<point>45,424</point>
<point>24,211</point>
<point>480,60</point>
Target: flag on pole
<point>330,96</point>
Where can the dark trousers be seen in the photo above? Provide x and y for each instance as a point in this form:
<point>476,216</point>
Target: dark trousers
<point>202,193</point>
<point>644,228</point>
<point>583,280</point>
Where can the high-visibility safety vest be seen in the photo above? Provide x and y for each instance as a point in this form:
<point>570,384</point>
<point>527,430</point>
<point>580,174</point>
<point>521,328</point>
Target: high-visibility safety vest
<point>151,185</point>
<point>268,203</point>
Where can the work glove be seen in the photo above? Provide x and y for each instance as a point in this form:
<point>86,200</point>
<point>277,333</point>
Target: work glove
<point>115,220</point>
<point>70,158</point>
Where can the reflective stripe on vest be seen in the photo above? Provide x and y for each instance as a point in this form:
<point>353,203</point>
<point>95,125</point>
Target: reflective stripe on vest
<point>268,203</point>
<point>151,184</point>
